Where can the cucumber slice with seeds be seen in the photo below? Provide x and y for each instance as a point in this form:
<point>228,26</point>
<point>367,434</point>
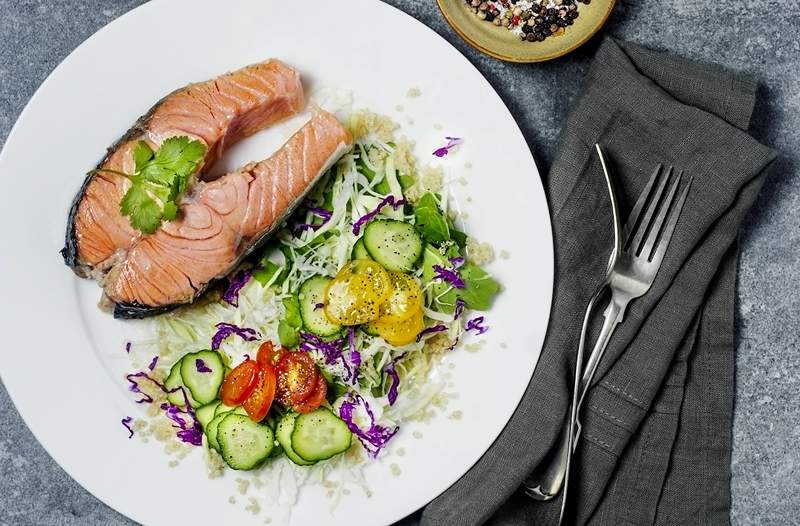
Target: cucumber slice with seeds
<point>284,434</point>
<point>394,244</point>
<point>312,293</point>
<point>359,250</point>
<point>173,382</point>
<point>206,413</point>
<point>244,444</point>
<point>204,385</point>
<point>319,435</point>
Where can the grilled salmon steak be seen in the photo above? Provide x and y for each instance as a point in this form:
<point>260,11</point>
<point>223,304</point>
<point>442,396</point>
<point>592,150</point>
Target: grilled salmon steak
<point>217,112</point>
<point>226,221</point>
<point>219,222</point>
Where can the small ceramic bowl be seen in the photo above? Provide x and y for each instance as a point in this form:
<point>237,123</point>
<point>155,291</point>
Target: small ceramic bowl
<point>501,43</point>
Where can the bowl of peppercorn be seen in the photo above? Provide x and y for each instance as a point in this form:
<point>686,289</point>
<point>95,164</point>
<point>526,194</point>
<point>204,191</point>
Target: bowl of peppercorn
<point>526,30</point>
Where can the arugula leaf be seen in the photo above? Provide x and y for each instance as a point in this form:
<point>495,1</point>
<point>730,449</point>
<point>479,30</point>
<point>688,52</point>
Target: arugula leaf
<point>430,221</point>
<point>406,181</point>
<point>480,289</point>
<point>143,211</point>
<point>162,176</point>
<point>268,270</point>
<point>291,305</point>
<point>289,336</point>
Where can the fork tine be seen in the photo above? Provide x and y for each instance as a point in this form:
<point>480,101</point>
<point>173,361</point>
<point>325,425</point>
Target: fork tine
<point>637,208</point>
<point>652,206</point>
<point>655,229</point>
<point>669,229</point>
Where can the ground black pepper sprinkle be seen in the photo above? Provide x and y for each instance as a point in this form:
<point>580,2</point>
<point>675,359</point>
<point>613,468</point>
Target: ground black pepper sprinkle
<point>531,20</point>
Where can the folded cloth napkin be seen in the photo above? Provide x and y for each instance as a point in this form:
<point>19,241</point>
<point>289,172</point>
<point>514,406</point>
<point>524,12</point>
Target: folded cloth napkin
<point>655,447</point>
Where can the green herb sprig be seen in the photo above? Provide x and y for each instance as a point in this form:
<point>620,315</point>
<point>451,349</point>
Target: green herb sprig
<point>159,180</point>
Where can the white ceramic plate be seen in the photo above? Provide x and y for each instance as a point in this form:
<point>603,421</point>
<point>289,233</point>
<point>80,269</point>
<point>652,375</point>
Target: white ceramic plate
<point>63,362</point>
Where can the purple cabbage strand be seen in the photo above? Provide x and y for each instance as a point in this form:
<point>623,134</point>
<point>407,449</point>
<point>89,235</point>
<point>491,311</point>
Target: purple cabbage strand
<point>376,436</point>
<point>127,423</point>
<point>231,295</point>
<point>226,329</point>
<point>388,200</point>
<point>452,142</point>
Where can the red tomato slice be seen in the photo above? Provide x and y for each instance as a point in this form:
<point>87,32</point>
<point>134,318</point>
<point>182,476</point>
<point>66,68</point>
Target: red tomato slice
<point>316,398</point>
<point>239,383</point>
<point>267,353</point>
<point>297,378</point>
<point>260,400</point>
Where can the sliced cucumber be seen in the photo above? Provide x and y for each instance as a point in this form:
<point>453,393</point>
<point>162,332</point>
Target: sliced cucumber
<point>204,386</point>
<point>369,329</point>
<point>284,434</point>
<point>319,435</point>
<point>359,250</point>
<point>312,293</point>
<point>206,413</point>
<point>394,244</point>
<point>211,430</point>
<point>244,444</point>
<point>223,408</point>
<point>173,382</point>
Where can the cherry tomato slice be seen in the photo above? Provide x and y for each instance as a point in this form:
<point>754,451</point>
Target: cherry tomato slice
<point>297,378</point>
<point>316,398</point>
<point>258,403</point>
<point>268,355</point>
<point>239,383</point>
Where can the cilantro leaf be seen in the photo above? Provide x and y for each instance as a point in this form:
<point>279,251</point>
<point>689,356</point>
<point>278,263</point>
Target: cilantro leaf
<point>142,153</point>
<point>142,210</point>
<point>430,221</point>
<point>162,176</point>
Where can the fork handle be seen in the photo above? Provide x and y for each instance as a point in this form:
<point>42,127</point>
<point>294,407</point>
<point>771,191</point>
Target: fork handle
<point>546,483</point>
<point>613,316</point>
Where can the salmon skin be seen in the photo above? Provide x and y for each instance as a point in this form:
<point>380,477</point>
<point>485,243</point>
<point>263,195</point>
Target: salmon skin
<point>224,221</point>
<point>218,112</point>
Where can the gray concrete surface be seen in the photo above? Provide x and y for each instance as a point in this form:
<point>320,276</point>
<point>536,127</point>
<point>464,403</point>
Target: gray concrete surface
<point>759,37</point>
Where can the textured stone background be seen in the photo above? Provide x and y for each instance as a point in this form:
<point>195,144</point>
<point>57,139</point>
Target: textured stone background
<point>759,37</point>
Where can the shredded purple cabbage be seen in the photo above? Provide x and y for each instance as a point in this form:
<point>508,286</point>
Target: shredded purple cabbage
<point>476,324</point>
<point>452,142</point>
<point>457,262</point>
<point>376,436</point>
<point>127,423</point>
<point>459,308</point>
<point>201,366</point>
<point>355,356</point>
<point>318,306</point>
<point>388,200</point>
<point>430,330</point>
<point>391,370</point>
<point>189,432</point>
<point>134,387</point>
<point>153,363</point>
<point>226,329</point>
<point>128,347</point>
<point>231,295</point>
<point>448,275</point>
<point>192,435</point>
<point>321,213</point>
<point>333,351</point>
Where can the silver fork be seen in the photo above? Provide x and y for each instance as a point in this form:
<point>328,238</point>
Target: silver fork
<point>648,231</point>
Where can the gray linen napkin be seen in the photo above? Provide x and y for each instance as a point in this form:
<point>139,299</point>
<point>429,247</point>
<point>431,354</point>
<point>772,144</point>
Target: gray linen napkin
<point>655,448</point>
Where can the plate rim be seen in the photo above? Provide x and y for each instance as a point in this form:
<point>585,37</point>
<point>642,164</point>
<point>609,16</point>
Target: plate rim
<point>547,232</point>
<point>519,59</point>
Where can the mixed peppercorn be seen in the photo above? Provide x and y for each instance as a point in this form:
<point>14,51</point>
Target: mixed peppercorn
<point>531,20</point>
